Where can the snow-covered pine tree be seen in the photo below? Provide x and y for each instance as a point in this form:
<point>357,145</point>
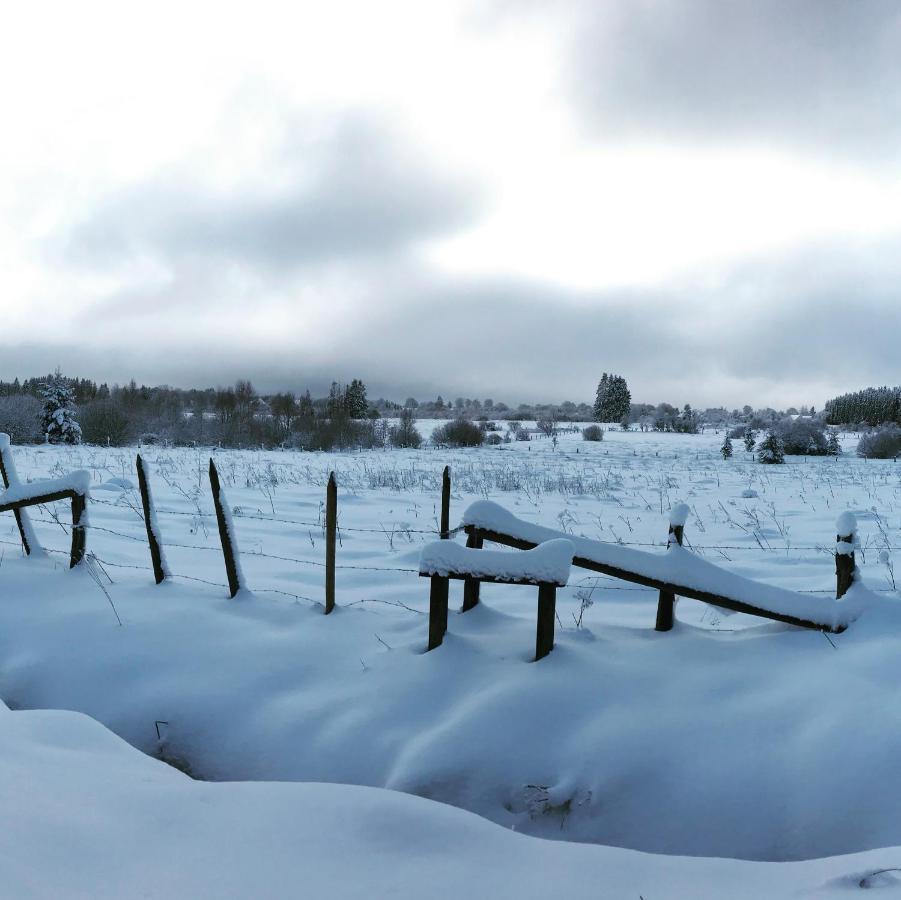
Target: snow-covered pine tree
<point>58,420</point>
<point>833,447</point>
<point>750,439</point>
<point>771,449</point>
<point>613,399</point>
<point>355,403</point>
<point>726,449</point>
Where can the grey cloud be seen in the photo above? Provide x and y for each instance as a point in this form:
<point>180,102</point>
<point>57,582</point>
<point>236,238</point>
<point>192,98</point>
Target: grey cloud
<point>359,192</point>
<point>821,74</point>
<point>798,329</point>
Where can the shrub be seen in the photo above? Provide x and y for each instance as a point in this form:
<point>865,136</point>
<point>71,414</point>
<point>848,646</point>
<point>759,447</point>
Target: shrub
<point>882,444</point>
<point>459,433</point>
<point>20,417</point>
<point>802,437</point>
<point>493,439</point>
<point>104,422</point>
<point>405,433</point>
<point>593,433</point>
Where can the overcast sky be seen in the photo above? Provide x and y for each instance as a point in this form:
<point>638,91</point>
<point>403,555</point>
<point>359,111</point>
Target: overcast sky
<point>483,199</point>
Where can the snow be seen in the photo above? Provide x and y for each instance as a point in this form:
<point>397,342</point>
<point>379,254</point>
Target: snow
<point>549,562</point>
<point>679,514</point>
<point>34,545</point>
<point>732,737</point>
<point>678,566</point>
<point>85,815</point>
<point>846,524</point>
<point>79,482</point>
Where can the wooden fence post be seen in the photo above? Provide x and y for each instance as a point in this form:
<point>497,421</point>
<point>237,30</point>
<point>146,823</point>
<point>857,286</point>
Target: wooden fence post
<point>331,532</point>
<point>445,503</point>
<point>844,563</point>
<point>4,474</point>
<point>226,538</point>
<point>156,556</point>
<point>437,610</point>
<point>666,602</point>
<point>544,632</point>
<point>471,586</point>
<point>78,531</point>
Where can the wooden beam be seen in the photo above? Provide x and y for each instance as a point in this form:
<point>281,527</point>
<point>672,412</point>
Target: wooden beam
<point>156,556</point>
<point>331,535</point>
<point>681,590</point>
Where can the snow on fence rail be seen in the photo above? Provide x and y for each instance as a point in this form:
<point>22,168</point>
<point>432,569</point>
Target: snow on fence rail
<point>546,566</point>
<point>675,572</point>
<point>16,497</point>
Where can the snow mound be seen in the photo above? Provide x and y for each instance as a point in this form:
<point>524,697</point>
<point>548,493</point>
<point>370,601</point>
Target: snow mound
<point>115,484</point>
<point>85,815</point>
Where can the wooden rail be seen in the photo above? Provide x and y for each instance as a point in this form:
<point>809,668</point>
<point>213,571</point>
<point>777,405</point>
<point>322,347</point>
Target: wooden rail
<point>668,590</point>
<point>76,555</point>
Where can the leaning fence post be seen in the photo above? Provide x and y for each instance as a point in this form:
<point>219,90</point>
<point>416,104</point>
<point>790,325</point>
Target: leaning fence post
<point>844,553</point>
<point>471,586</point>
<point>78,531</point>
<point>331,531</point>
<point>227,539</point>
<point>666,602</point>
<point>5,468</point>
<point>445,503</point>
<point>156,556</point>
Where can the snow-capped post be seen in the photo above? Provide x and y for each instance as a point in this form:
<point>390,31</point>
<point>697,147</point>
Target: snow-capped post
<point>666,602</point>
<point>156,555</point>
<point>8,474</point>
<point>331,534</point>
<point>445,503</point>
<point>226,535</point>
<point>846,526</point>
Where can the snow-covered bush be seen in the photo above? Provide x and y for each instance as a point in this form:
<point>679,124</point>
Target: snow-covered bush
<point>771,449</point>
<point>20,417</point>
<point>459,433</point>
<point>802,437</point>
<point>58,420</point>
<point>882,444</point>
<point>593,433</point>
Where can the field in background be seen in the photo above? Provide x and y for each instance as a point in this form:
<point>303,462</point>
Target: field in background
<point>772,523</point>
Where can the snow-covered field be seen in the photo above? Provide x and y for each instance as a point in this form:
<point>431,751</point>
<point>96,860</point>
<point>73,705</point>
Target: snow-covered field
<point>729,736</point>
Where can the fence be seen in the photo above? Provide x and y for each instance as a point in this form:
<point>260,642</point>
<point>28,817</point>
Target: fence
<point>476,535</point>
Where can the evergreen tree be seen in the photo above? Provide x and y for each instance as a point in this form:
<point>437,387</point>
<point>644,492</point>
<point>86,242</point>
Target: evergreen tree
<point>355,403</point>
<point>613,399</point>
<point>833,447</point>
<point>726,449</point>
<point>58,414</point>
<point>771,449</point>
<point>750,439</point>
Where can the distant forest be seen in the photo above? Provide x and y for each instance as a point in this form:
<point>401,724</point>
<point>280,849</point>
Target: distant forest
<point>239,415</point>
